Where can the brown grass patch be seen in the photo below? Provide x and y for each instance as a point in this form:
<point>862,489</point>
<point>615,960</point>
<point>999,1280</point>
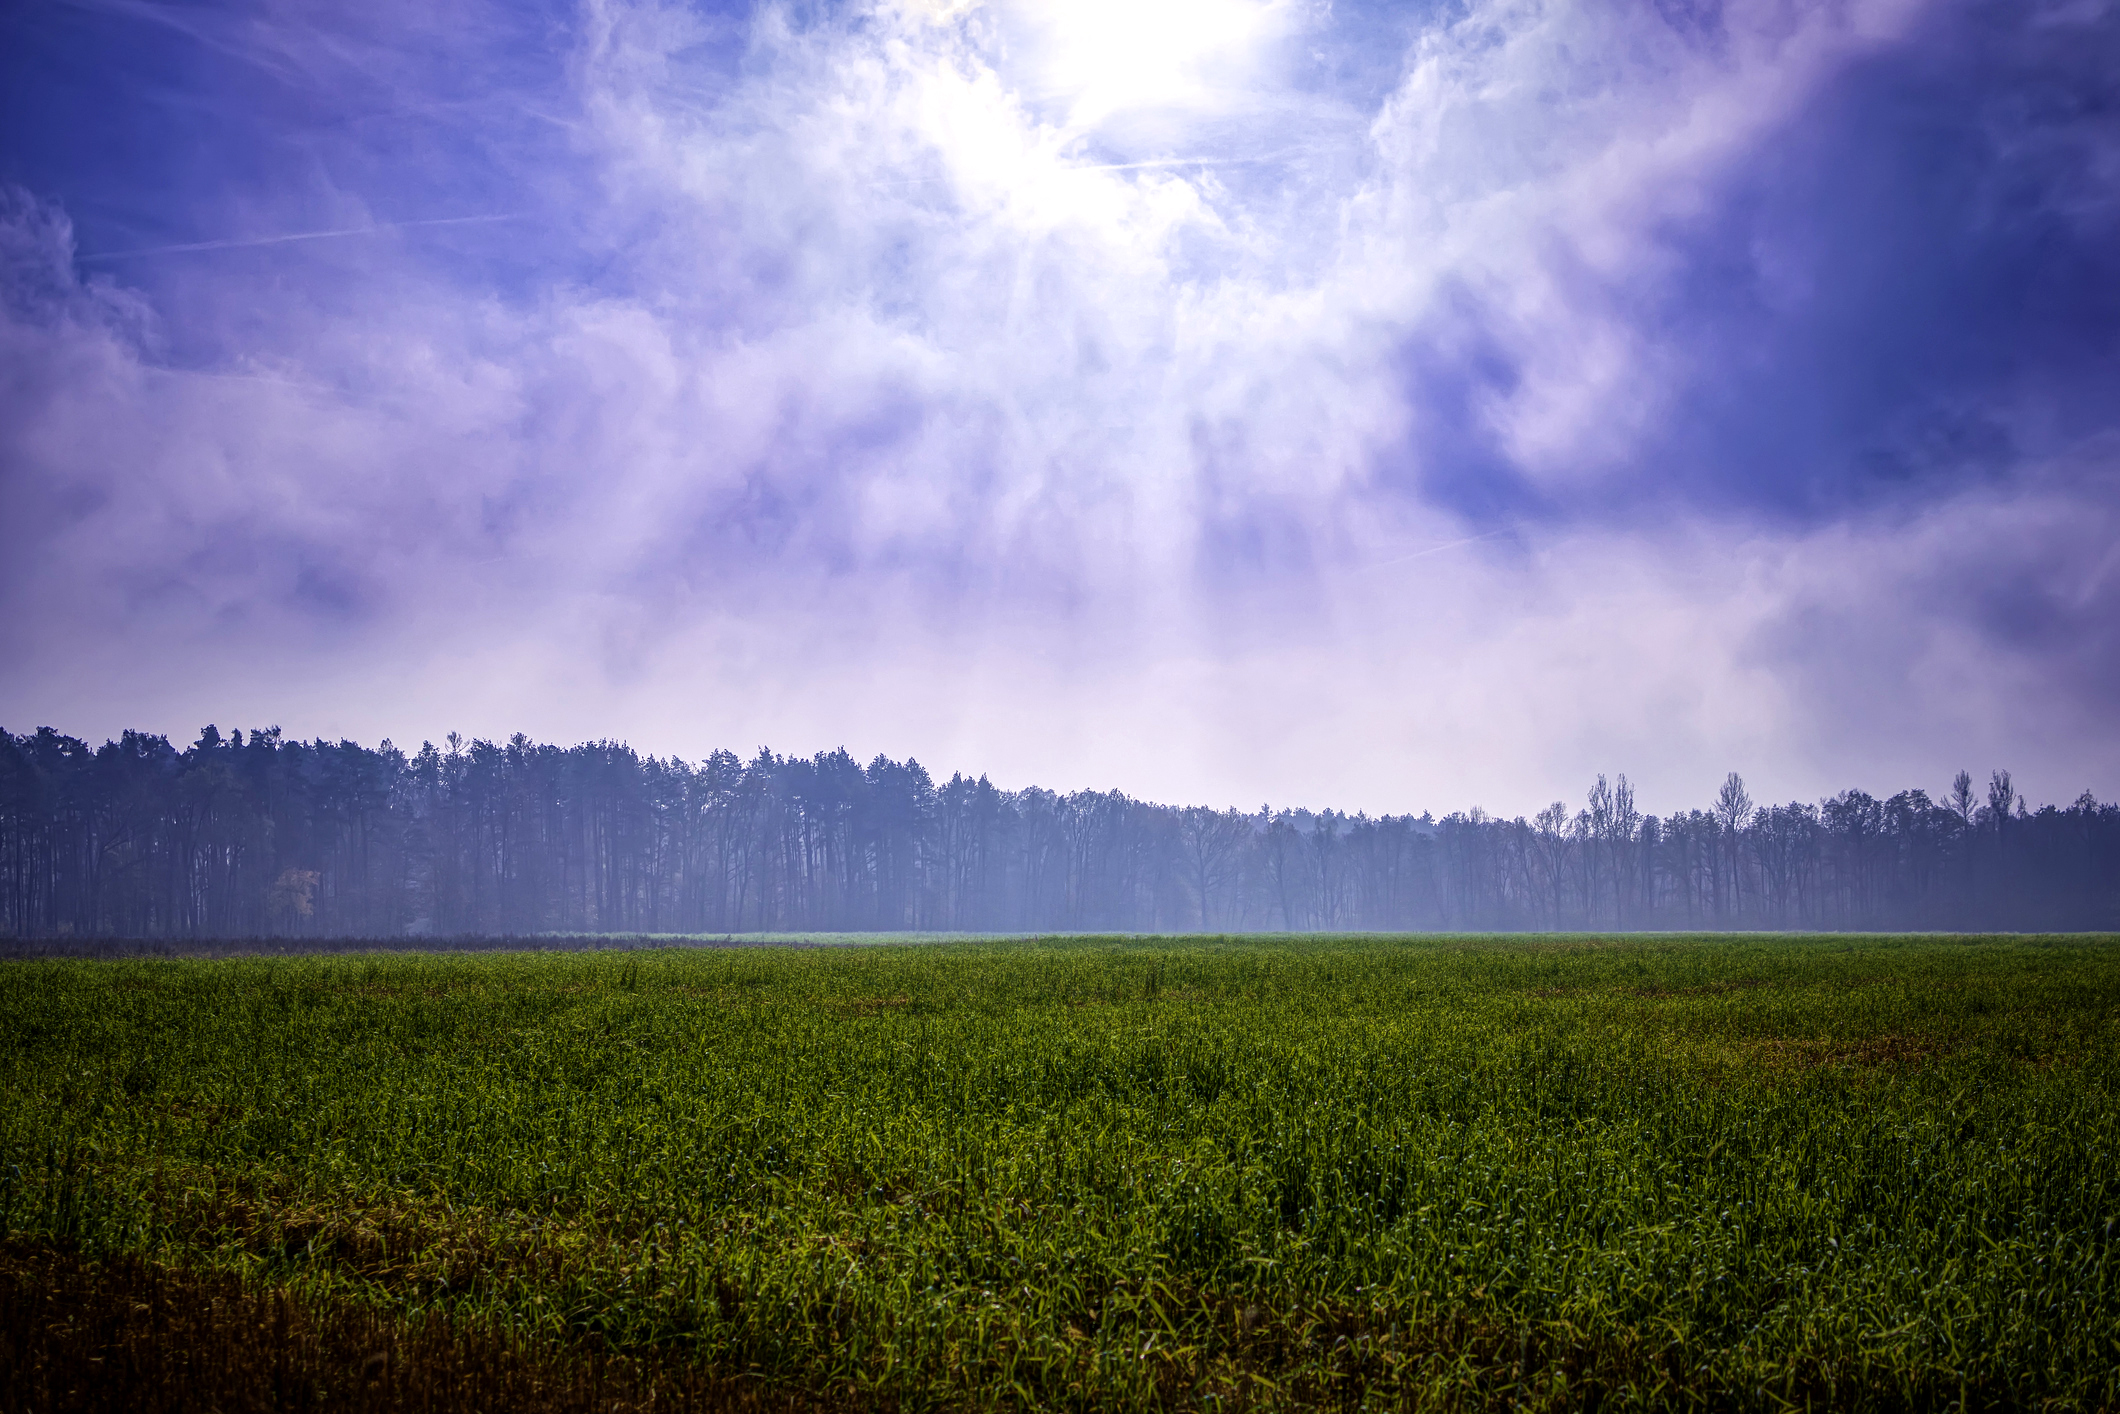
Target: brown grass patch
<point>870,1006</point>
<point>77,1335</point>
<point>416,1248</point>
<point>1863,1053</point>
<point>1710,989</point>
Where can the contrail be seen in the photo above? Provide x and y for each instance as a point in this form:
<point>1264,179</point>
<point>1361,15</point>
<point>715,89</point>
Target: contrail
<point>1120,166</point>
<point>298,236</point>
<point>1431,550</point>
<point>243,378</point>
<point>1171,162</point>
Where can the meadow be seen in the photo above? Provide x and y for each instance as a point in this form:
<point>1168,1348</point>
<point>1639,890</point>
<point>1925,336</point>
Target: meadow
<point>1290,1172</point>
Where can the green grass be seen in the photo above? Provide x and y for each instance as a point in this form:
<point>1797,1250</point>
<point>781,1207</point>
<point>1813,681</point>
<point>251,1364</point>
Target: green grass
<point>1122,1173</point>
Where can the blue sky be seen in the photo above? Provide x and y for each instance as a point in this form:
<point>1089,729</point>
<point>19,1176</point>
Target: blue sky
<point>1393,407</point>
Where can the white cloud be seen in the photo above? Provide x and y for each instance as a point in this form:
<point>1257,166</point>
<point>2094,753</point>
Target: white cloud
<point>904,414</point>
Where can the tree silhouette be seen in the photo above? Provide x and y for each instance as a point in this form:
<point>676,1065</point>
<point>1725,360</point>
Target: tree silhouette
<point>248,834</point>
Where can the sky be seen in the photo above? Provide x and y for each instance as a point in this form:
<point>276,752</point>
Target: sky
<point>1390,407</point>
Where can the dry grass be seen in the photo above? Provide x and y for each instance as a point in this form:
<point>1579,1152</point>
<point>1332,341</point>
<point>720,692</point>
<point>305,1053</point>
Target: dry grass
<point>126,1334</point>
<point>1864,1053</point>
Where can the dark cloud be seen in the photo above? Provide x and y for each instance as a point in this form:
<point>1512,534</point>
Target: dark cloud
<point>1458,376</point>
<point>1913,285</point>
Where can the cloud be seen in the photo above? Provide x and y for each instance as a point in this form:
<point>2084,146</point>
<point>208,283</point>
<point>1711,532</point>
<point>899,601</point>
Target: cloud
<point>1550,389</point>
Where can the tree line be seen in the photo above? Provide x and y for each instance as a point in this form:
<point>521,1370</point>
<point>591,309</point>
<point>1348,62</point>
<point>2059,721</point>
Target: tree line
<point>252,835</point>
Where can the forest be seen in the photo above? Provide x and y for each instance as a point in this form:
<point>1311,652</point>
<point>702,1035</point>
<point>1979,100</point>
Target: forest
<point>253,835</point>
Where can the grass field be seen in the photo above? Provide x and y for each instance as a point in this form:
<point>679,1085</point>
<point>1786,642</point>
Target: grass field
<point>1542,1172</point>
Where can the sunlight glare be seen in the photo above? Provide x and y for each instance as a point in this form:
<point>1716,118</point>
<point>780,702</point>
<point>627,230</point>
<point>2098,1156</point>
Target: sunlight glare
<point>1105,56</point>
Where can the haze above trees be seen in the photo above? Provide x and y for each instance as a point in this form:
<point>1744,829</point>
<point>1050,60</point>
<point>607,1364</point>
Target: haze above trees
<point>254,835</point>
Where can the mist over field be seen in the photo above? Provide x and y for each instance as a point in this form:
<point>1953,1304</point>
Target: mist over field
<point>1375,408</point>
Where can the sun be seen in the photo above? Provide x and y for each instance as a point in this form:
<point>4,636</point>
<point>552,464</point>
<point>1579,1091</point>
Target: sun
<point>1107,56</point>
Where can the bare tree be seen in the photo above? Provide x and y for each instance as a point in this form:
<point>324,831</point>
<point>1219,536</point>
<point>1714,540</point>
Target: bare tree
<point>2001,795</point>
<point>1961,800</point>
<point>1211,842</point>
<point>1733,806</point>
<point>1625,821</point>
<point>1733,811</point>
<point>1552,854</point>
